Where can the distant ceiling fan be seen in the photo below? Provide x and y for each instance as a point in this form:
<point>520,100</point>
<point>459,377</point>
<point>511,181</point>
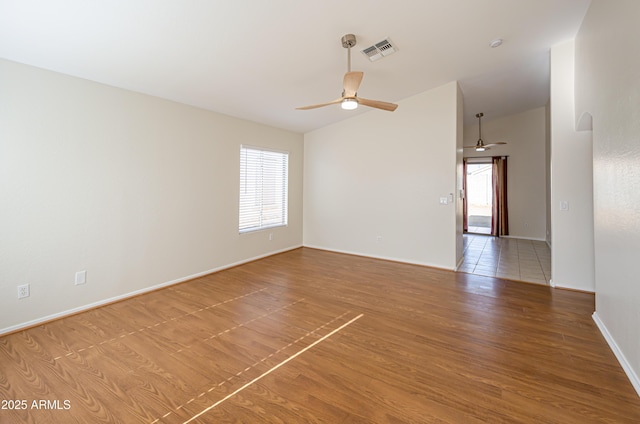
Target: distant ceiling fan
<point>350,85</point>
<point>480,146</point>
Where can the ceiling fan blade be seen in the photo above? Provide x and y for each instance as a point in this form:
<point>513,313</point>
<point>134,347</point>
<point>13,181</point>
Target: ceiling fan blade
<point>497,143</point>
<point>351,83</point>
<point>320,104</point>
<point>378,104</point>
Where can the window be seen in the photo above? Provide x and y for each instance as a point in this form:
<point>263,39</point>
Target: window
<point>264,176</point>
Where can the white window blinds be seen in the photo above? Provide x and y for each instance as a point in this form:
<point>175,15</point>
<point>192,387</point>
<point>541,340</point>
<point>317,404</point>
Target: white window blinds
<point>264,178</point>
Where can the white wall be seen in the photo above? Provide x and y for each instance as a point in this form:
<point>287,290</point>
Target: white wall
<point>524,134</point>
<point>547,170</point>
<point>607,66</point>
<point>459,180</point>
<point>372,183</point>
<point>572,255</point>
<point>135,190</point>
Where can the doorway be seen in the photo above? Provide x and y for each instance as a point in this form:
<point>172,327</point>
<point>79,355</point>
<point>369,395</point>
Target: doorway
<point>479,192</point>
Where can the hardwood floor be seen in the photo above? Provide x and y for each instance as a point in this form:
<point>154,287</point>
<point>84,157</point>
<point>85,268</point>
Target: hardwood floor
<point>320,337</point>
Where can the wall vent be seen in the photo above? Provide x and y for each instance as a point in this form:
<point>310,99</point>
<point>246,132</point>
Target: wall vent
<point>379,50</point>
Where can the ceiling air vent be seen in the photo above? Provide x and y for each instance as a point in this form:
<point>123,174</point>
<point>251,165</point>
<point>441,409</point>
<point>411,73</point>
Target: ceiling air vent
<point>380,50</point>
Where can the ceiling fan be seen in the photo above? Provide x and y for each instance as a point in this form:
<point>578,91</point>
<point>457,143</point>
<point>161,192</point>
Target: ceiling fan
<point>480,146</point>
<point>350,85</point>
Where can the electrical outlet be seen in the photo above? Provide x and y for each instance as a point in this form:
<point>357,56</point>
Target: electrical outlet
<point>23,291</point>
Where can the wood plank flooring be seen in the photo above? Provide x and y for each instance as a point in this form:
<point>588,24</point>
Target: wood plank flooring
<point>310,336</point>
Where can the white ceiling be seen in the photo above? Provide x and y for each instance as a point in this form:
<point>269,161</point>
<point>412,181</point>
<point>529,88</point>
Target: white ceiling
<point>259,59</point>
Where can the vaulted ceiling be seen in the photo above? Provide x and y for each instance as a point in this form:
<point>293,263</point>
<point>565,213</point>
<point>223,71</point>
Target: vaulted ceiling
<point>259,60</point>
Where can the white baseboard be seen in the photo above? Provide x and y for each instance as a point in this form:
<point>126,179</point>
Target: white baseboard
<point>384,258</point>
<point>459,264</point>
<point>563,285</point>
<point>103,302</point>
<point>524,238</point>
<point>633,377</point>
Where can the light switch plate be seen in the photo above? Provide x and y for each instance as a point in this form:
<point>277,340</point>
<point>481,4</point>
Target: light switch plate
<point>81,277</point>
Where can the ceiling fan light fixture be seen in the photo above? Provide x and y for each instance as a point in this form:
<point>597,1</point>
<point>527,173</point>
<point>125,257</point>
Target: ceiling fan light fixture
<point>349,104</point>
<point>349,99</point>
<point>480,146</point>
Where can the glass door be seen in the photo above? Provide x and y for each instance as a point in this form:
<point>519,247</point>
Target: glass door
<point>479,192</point>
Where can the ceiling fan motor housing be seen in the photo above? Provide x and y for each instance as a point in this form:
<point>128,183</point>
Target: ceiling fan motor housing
<point>348,40</point>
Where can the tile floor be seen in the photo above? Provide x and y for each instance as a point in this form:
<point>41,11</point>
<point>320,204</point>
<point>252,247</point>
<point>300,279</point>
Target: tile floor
<point>510,258</point>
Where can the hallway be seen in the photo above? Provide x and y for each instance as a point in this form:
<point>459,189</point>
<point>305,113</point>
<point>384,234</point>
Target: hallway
<point>510,258</point>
